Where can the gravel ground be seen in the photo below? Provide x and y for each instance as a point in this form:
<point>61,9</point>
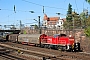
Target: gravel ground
<point>85,45</point>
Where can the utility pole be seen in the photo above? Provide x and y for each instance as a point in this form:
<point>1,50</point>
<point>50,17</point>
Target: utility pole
<point>73,22</point>
<point>39,24</point>
<point>86,15</point>
<point>39,21</point>
<point>20,24</point>
<point>73,17</point>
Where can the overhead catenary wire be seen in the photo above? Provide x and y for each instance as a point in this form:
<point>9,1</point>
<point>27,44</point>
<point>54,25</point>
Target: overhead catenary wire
<point>83,5</point>
<point>43,5</point>
<point>16,10</point>
<point>30,11</point>
<point>64,0</point>
<point>37,11</point>
<point>31,23</point>
<point>8,15</point>
<point>39,5</point>
<point>50,6</point>
<point>76,6</point>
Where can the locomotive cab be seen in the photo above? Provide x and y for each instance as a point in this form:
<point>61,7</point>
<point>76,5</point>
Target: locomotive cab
<point>75,46</point>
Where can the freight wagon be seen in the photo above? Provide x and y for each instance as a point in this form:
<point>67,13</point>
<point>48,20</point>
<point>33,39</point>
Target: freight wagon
<point>58,41</point>
<point>30,39</point>
<point>12,37</point>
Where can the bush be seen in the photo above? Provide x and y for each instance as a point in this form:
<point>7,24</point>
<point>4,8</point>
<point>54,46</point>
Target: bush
<point>87,31</point>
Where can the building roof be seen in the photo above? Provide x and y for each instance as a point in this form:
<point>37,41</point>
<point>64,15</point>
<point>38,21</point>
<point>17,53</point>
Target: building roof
<point>50,18</point>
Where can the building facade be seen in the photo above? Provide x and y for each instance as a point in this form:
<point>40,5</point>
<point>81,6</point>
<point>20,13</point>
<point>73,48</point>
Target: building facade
<point>53,22</point>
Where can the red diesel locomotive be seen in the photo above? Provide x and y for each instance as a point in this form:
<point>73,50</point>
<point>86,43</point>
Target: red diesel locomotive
<point>58,41</point>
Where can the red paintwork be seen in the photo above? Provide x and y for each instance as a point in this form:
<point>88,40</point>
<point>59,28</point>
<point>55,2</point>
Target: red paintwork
<point>64,40</point>
<point>31,44</point>
<point>72,40</point>
<point>24,43</point>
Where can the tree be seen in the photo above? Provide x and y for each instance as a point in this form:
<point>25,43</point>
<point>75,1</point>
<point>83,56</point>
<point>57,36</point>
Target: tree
<point>68,23</point>
<point>84,16</point>
<point>24,32</point>
<point>69,12</point>
<point>35,26</point>
<point>88,21</point>
<point>87,29</point>
<point>76,20</point>
<point>88,1</point>
<point>83,19</point>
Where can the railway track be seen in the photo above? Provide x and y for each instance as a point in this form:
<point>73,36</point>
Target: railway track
<point>35,51</point>
<point>34,54</point>
<point>10,57</point>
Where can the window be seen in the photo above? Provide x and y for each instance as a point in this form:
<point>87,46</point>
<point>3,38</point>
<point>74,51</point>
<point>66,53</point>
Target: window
<point>61,22</point>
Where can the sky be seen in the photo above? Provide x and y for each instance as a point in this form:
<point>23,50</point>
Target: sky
<point>22,8</point>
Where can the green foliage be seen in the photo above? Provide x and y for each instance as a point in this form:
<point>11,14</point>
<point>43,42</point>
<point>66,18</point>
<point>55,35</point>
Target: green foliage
<point>11,33</point>
<point>77,20</point>
<point>68,23</point>
<point>85,19</point>
<point>72,20</point>
<point>88,21</point>
<point>69,12</point>
<point>88,1</point>
<point>87,31</point>
<point>35,26</point>
<point>24,32</point>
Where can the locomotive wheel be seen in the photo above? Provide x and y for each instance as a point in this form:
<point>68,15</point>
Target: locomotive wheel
<point>42,46</point>
<point>49,47</point>
<point>58,48</point>
<point>45,46</point>
<point>55,47</point>
<point>36,45</point>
